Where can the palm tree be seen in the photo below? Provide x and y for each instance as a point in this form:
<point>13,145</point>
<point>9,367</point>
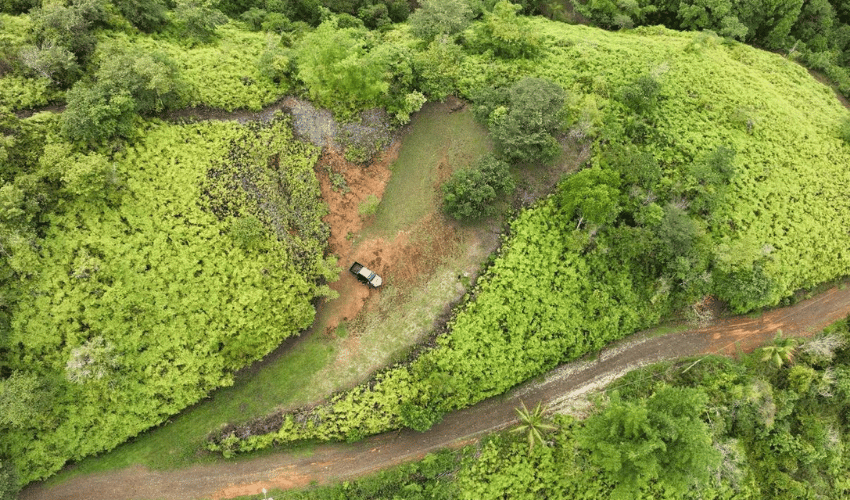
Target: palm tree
<point>781,351</point>
<point>532,423</point>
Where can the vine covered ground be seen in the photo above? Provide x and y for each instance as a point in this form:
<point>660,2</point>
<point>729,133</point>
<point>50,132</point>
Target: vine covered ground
<point>144,262</point>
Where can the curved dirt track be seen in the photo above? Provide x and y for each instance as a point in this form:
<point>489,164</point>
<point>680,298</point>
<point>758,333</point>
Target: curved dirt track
<point>560,390</point>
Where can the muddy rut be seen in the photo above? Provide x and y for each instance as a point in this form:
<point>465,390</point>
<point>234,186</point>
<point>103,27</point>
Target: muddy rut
<point>563,389</point>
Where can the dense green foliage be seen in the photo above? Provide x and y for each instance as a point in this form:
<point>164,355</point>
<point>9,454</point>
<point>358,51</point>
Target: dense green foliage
<point>710,428</point>
<point>523,118</point>
<point>698,186</point>
<point>347,69</point>
<point>660,439</point>
<point>124,84</point>
<point>171,253</point>
<point>818,30</point>
<point>436,18</point>
<point>545,299</point>
<point>133,284</point>
<point>471,192</point>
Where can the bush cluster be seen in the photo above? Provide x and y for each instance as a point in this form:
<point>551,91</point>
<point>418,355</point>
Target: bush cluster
<point>470,193</point>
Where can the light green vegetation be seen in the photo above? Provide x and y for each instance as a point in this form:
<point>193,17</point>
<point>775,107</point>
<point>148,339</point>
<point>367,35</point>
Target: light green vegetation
<point>148,288</point>
<point>783,208</point>
<point>731,200</point>
<point>223,75</point>
<point>493,345</point>
<point>308,370</point>
<point>255,392</point>
<point>435,144</point>
<point>18,91</point>
<point>168,254</point>
<point>817,32</point>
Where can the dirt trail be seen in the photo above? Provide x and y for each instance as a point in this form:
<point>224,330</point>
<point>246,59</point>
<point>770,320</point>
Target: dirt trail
<point>561,390</point>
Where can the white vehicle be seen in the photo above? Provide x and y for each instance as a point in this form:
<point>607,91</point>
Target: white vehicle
<point>365,275</point>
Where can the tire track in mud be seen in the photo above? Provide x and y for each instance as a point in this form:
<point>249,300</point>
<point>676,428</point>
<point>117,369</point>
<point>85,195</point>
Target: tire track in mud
<point>563,389</point>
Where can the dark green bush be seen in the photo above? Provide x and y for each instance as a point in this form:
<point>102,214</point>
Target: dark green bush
<point>8,480</point>
<point>440,17</point>
<point>419,418</point>
<point>523,118</point>
<point>470,193</point>
<point>147,15</point>
<point>642,95</point>
<point>125,84</point>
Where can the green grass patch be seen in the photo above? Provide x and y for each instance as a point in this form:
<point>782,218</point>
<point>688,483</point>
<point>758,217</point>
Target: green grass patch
<point>436,144</point>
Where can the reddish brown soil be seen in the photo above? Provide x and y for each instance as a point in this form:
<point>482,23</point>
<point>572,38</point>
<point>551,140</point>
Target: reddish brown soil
<point>345,221</point>
<point>401,258</point>
<point>333,462</point>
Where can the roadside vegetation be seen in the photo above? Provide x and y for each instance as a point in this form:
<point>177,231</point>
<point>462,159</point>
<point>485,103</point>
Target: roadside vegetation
<point>770,424</point>
<point>144,262</point>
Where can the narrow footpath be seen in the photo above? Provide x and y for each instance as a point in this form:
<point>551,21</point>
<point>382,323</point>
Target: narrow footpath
<point>560,390</point>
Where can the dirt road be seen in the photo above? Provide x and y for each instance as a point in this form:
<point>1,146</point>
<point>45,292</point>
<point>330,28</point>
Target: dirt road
<point>561,390</point>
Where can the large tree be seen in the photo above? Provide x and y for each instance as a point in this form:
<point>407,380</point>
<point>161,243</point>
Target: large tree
<point>660,439</point>
<point>523,118</point>
<point>440,17</point>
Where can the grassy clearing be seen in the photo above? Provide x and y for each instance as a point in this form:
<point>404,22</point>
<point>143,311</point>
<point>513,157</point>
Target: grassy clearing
<point>437,143</point>
<point>309,370</point>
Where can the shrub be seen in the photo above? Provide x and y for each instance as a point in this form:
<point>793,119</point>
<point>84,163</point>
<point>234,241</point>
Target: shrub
<point>440,17</point>
<point>523,118</point>
<point>197,20</point>
<point>8,481</point>
<point>51,61</point>
<point>419,418</point>
<point>124,84</point>
<point>338,69</point>
<point>147,15</point>
<point>505,33</point>
<point>642,95</point>
<point>94,114</point>
<point>470,193</point>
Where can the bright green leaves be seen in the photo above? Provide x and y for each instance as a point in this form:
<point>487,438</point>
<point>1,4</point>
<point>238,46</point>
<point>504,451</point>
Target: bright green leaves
<point>143,304</point>
<point>532,424</point>
<point>661,439</point>
<point>24,400</point>
<point>339,70</point>
<point>505,33</point>
<point>591,196</point>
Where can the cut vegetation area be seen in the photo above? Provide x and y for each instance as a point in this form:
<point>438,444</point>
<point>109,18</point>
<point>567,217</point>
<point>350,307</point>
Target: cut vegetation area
<point>429,265</point>
<point>441,138</point>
